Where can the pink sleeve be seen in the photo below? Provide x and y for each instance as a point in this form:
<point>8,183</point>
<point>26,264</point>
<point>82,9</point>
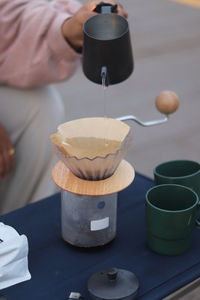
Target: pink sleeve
<point>33,51</point>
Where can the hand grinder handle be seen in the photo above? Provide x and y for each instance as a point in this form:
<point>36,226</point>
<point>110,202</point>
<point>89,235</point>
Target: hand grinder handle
<point>105,8</point>
<point>167,102</point>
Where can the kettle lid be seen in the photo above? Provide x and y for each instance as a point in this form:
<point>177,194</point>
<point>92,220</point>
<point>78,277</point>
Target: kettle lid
<point>113,283</point>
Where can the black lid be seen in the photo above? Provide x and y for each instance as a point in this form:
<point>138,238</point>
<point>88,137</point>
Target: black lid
<point>112,284</point>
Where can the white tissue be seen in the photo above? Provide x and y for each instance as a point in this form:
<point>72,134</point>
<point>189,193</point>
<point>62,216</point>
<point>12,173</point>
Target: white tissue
<point>13,257</point>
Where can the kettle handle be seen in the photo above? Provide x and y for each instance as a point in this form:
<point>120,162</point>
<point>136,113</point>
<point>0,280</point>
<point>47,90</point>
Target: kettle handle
<point>105,8</point>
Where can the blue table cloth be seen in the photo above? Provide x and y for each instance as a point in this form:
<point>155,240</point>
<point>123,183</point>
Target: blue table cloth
<point>58,268</point>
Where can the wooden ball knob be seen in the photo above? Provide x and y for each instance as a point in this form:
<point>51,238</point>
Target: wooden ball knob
<point>167,102</point>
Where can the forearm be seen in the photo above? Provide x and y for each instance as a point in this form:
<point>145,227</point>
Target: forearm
<point>32,48</point>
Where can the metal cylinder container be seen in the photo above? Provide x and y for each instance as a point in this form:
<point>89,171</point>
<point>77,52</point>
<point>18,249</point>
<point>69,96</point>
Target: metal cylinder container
<point>88,221</point>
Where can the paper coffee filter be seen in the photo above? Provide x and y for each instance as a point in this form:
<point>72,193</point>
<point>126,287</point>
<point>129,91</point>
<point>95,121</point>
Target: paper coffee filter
<point>94,127</point>
<point>92,137</point>
<point>92,148</point>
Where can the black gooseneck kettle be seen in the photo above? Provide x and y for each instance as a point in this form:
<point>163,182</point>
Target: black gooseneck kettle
<point>107,51</point>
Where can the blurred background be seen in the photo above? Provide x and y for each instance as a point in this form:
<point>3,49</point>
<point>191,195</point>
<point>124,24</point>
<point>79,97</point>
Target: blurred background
<point>166,46</point>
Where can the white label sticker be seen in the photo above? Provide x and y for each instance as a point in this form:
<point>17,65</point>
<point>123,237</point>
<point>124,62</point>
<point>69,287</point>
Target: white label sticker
<point>99,224</point>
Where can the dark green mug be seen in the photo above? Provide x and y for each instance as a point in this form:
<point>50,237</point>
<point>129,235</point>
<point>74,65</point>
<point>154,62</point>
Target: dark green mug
<point>171,217</point>
<point>183,172</point>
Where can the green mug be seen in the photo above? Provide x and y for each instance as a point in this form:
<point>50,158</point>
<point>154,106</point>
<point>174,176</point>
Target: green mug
<point>183,172</point>
<point>171,217</point>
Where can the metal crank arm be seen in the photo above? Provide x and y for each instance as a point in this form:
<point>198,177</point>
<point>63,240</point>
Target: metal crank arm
<point>145,124</point>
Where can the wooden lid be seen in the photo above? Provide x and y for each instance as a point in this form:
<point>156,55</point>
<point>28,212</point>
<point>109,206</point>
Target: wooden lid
<point>66,180</point>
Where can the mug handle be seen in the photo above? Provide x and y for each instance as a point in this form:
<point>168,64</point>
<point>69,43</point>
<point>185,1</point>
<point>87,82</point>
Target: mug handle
<point>198,216</point>
<point>105,8</point>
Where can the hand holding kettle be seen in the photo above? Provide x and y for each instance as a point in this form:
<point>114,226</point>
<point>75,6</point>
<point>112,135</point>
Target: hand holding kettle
<point>72,28</point>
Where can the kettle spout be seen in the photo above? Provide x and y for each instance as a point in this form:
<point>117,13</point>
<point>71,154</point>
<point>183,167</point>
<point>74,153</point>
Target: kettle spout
<point>104,76</point>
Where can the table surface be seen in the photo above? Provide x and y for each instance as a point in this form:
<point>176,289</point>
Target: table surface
<point>58,268</point>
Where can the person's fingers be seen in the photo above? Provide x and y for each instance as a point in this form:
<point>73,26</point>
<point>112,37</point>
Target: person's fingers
<point>85,14</point>
<point>8,156</point>
<point>121,10</point>
<point>1,166</point>
<point>72,28</point>
<point>7,159</point>
<point>12,157</point>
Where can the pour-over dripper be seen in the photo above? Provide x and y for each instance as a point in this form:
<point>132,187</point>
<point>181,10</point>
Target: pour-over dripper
<point>92,148</point>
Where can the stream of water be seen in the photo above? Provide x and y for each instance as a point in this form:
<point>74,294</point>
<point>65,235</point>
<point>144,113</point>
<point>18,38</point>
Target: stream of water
<point>104,103</point>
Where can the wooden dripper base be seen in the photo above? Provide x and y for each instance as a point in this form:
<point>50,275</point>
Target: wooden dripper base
<point>89,208</point>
